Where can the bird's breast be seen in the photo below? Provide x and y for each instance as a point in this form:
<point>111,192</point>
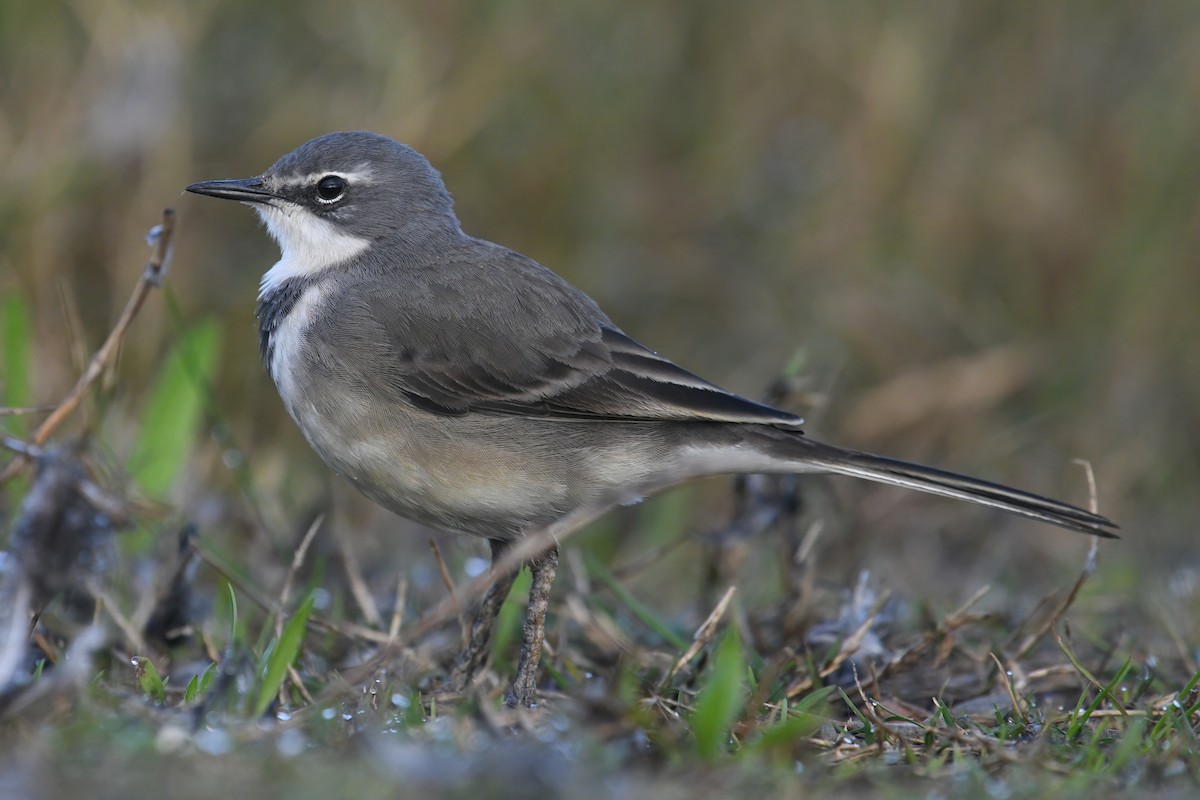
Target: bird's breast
<point>444,471</point>
<point>284,313</point>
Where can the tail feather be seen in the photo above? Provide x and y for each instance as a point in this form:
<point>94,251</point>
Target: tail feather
<point>818,456</point>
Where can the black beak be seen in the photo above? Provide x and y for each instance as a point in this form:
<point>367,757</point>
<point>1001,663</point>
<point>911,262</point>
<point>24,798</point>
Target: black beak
<point>246,190</point>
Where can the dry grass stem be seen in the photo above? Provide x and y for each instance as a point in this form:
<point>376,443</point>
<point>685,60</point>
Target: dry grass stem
<point>16,412</point>
<point>1085,672</point>
<point>449,584</point>
<point>847,649</point>
<point>358,586</point>
<point>1003,675</point>
<point>108,606</point>
<point>702,636</point>
<point>1089,568</point>
<point>285,591</point>
<point>298,682</point>
<point>398,610</point>
<point>151,278</point>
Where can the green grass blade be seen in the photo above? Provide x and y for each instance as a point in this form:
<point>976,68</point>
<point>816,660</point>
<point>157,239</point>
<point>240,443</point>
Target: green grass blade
<point>815,702</point>
<point>280,655</point>
<point>189,693</point>
<point>15,338</point>
<point>721,699</point>
<point>797,721</point>
<point>1081,716</point>
<point>868,728</point>
<point>200,684</point>
<point>175,409</point>
<point>16,344</point>
<point>233,614</point>
<point>148,679</point>
<point>1166,720</point>
<point>208,677</point>
<point>784,735</point>
<point>639,609</point>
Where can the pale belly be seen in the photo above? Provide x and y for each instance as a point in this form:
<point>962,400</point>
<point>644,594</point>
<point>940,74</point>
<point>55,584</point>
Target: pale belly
<point>492,476</point>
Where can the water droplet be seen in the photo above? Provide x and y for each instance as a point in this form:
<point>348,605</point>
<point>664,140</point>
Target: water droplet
<point>322,599</point>
<point>291,743</point>
<point>212,741</point>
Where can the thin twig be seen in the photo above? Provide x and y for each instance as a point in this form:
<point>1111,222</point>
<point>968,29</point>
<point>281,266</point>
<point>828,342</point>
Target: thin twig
<point>447,608</point>
<point>151,277</point>
<point>1008,685</point>
<point>579,574</point>
<point>298,682</point>
<point>950,623</point>
<point>597,627</point>
<point>347,629</point>
<point>358,585</point>
<point>1086,673</point>
<point>130,632</point>
<point>870,712</point>
<point>20,411</point>
<point>252,592</point>
<point>1089,568</point>
<point>1093,497</point>
<point>848,648</point>
<point>398,611</point>
<point>350,630</point>
<point>515,556</point>
<point>441,562</point>
<point>297,562</point>
<point>702,636</point>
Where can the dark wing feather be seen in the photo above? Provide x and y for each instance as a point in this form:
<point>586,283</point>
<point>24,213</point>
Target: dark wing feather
<point>490,331</point>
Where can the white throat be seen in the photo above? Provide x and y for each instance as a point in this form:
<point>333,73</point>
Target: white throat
<point>308,244</point>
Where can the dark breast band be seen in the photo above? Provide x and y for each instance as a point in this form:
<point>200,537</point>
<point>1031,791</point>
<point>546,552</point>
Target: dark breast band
<point>273,309</point>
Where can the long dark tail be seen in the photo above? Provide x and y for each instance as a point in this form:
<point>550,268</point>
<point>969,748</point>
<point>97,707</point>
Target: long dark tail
<point>812,456</point>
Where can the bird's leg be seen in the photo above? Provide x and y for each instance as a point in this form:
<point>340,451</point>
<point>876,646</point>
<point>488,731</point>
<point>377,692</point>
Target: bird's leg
<point>475,652</point>
<point>543,570</point>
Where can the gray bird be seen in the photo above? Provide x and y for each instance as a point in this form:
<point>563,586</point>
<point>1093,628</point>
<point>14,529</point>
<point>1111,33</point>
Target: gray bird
<point>463,385</point>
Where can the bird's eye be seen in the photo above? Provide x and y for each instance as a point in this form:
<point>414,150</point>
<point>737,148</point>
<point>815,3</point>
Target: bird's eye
<point>331,188</point>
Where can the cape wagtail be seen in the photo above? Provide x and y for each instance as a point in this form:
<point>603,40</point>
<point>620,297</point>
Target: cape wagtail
<point>465,386</point>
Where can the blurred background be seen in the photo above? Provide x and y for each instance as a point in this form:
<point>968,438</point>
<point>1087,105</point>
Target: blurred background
<point>970,229</point>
